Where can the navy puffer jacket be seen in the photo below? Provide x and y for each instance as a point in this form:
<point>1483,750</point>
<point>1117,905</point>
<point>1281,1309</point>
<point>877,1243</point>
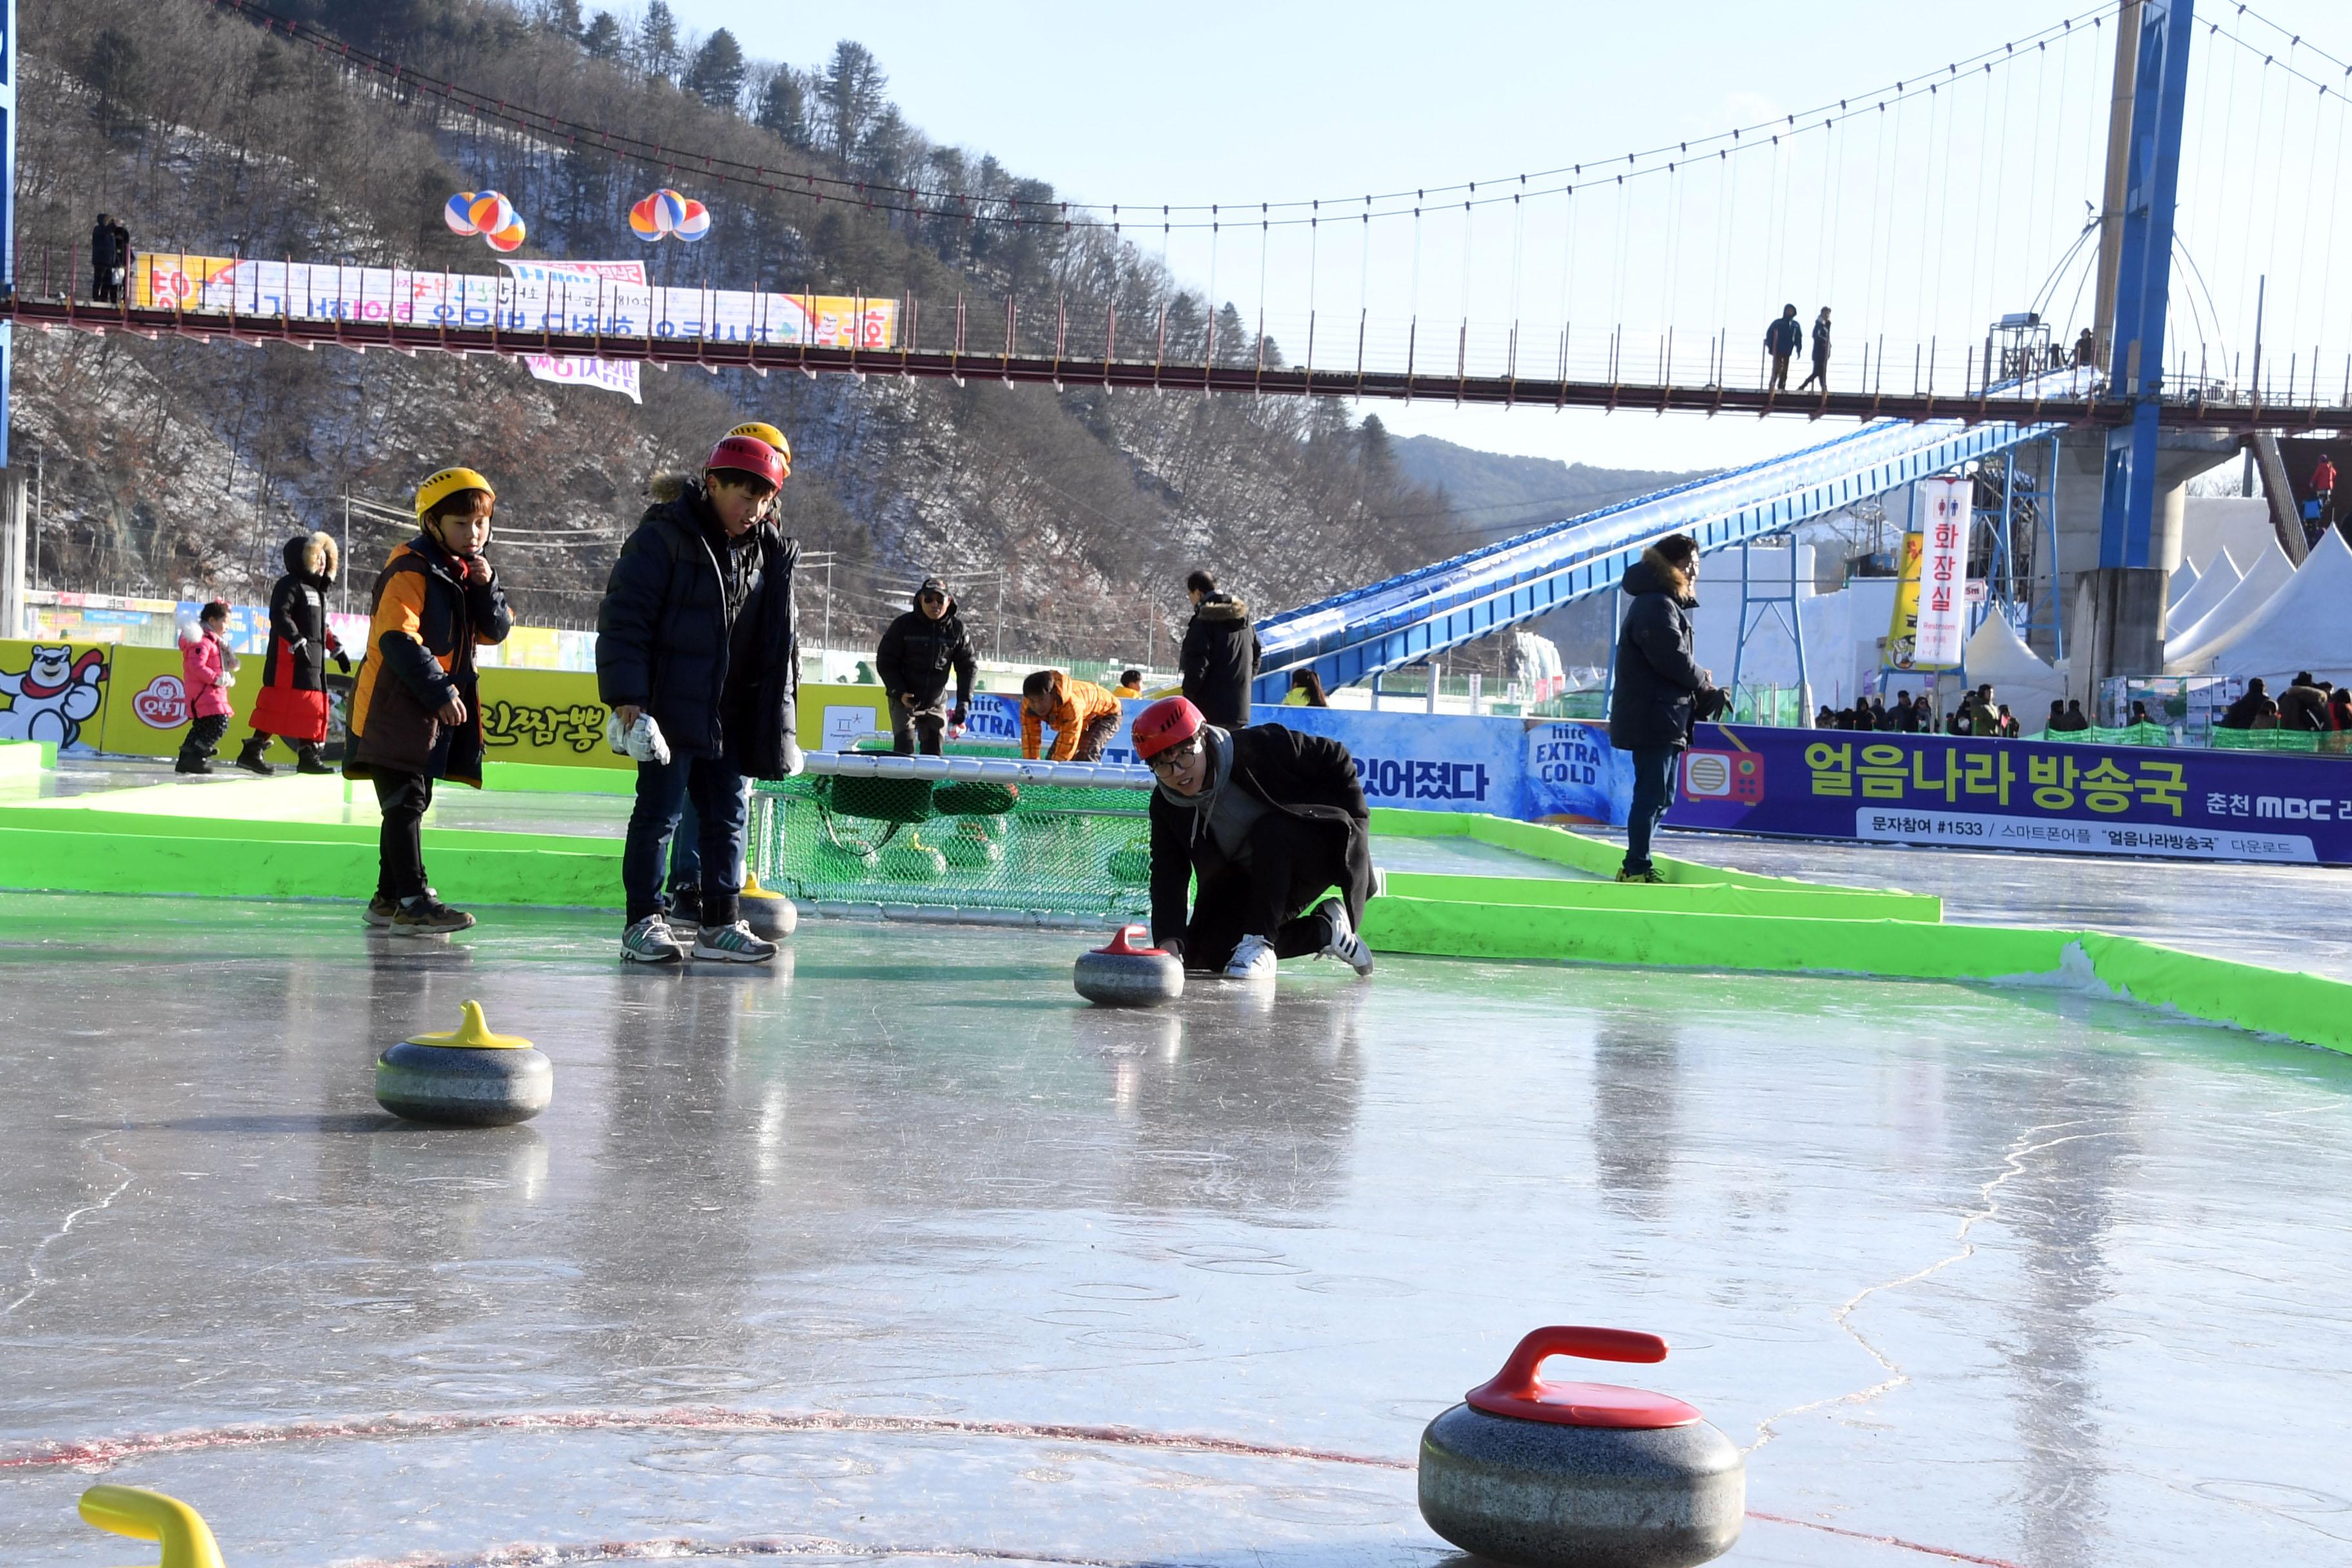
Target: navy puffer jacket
<point>700,634</point>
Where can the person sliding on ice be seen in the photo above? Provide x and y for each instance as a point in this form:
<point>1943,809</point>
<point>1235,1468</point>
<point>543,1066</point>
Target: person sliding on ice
<point>1082,715</point>
<point>1659,685</point>
<point>1781,341</point>
<point>1265,821</point>
<point>206,666</point>
<point>695,635</point>
<point>1821,376</point>
<point>292,702</point>
<point>415,714</point>
<point>916,653</point>
<point>1219,656</point>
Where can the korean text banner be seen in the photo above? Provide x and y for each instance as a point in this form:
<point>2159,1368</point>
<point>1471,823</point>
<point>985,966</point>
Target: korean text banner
<point>579,298</point>
<point>1946,505</point>
<point>2013,794</point>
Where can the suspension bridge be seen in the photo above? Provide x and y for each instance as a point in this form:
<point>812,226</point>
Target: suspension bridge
<point>1940,202</point>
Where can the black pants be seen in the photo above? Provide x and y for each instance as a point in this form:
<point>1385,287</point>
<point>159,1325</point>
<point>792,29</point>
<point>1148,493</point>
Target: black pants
<point>1653,791</point>
<point>1780,381</point>
<point>203,738</point>
<point>1292,864</point>
<point>1820,375</point>
<point>400,855</point>
<point>918,727</point>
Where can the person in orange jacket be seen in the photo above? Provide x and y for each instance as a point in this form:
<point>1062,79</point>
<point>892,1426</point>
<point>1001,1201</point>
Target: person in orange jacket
<point>1084,717</point>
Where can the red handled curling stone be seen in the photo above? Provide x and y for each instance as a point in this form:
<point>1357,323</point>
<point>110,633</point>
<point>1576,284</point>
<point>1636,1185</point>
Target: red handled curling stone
<point>1125,974</point>
<point>1581,1475</point>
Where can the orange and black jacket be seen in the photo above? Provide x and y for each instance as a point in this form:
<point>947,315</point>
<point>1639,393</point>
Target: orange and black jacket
<point>426,620</point>
<point>1083,703</point>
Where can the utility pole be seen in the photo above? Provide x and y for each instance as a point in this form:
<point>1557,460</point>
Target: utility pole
<point>343,590</point>
<point>997,656</point>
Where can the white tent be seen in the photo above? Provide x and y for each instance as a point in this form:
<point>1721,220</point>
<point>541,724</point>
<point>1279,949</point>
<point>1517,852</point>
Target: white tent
<point>2020,678</point>
<point>2185,653</point>
<point>2213,586</point>
<point>2183,578</point>
<point>2303,627</point>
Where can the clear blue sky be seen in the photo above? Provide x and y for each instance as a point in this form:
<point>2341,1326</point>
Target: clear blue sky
<point>1225,101</point>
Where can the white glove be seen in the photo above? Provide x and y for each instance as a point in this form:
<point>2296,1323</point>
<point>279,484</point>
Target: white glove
<point>795,764</point>
<point>641,742</point>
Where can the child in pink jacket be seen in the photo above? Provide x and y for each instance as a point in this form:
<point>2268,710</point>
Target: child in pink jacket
<point>206,668</point>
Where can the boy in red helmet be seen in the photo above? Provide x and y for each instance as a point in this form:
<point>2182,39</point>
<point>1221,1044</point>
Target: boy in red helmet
<point>1268,821</point>
<point>696,632</point>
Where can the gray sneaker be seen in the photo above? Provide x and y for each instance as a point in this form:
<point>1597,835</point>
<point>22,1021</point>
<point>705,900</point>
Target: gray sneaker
<point>650,942</point>
<point>734,944</point>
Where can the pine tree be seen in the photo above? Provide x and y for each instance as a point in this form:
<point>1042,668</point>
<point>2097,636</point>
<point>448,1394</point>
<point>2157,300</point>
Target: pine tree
<point>603,38</point>
<point>562,18</point>
<point>850,94</point>
<point>658,49</point>
<point>716,77</point>
<point>783,108</point>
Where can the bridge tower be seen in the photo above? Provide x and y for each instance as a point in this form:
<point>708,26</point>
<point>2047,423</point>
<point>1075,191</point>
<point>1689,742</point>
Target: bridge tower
<point>2118,618</point>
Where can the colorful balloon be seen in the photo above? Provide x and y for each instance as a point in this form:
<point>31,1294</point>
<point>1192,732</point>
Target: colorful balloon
<point>507,239</point>
<point>456,214</point>
<point>694,222</point>
<point>644,222</point>
<point>490,213</point>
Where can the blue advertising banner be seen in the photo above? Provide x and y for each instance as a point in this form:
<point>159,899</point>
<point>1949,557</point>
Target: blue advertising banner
<point>1426,761</point>
<point>2016,795</point>
<point>1574,774</point>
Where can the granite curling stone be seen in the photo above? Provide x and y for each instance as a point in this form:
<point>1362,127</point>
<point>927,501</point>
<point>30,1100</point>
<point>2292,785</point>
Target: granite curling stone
<point>467,1078</point>
<point>769,915</point>
<point>1128,973</point>
<point>1581,1475</point>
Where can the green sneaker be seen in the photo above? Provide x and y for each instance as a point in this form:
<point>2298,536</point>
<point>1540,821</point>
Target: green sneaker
<point>1650,875</point>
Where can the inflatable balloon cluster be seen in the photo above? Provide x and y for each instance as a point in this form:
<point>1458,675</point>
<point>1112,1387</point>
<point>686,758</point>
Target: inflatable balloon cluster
<point>488,214</point>
<point>667,212</point>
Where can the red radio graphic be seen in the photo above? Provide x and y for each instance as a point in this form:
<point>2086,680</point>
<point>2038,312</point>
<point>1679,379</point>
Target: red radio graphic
<point>1723,775</point>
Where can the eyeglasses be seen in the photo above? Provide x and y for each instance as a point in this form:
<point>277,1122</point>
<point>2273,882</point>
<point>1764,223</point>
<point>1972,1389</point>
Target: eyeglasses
<point>1176,755</point>
<point>935,598</point>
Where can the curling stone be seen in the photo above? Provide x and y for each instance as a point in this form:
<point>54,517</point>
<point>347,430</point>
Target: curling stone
<point>1581,1475</point>
<point>467,1078</point>
<point>770,915</point>
<point>1128,974</point>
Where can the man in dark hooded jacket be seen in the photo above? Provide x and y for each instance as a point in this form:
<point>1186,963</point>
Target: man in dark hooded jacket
<point>1219,656</point>
<point>696,632</point>
<point>1658,687</point>
<point>917,651</point>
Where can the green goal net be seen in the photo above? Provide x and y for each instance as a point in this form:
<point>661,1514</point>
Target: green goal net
<point>957,837</point>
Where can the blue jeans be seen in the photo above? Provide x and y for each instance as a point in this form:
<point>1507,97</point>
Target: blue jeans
<point>1653,788</point>
<point>721,798</point>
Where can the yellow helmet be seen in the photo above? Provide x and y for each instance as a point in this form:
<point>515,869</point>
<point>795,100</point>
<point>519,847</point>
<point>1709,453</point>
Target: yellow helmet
<point>772,435</point>
<point>440,486</point>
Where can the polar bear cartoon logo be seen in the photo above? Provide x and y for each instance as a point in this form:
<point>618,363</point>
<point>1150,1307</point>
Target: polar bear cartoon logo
<point>50,697</point>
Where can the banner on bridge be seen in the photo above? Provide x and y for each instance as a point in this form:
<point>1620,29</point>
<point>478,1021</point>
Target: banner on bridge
<point>583,297</point>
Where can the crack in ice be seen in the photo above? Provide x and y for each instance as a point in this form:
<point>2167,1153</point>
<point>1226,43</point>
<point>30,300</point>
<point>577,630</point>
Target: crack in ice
<point>1988,1208</point>
<point>33,1281</point>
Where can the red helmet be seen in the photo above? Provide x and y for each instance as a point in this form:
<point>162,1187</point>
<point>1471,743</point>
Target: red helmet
<point>748,455</point>
<point>1170,721</point>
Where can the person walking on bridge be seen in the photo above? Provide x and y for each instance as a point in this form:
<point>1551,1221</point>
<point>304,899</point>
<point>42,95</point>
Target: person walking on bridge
<point>1820,375</point>
<point>1781,341</point>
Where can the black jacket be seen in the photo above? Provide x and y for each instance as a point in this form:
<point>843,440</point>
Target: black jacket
<point>1308,777</point>
<point>297,615</point>
<point>916,653</point>
<point>1784,336</point>
<point>1821,339</point>
<point>1657,677</point>
<point>700,633</point>
<point>1219,659</point>
<point>407,678</point>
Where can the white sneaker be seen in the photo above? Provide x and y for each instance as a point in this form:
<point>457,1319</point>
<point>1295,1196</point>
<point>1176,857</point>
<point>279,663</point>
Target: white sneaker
<point>1253,959</point>
<point>650,942</point>
<point>1344,943</point>
<point>736,944</point>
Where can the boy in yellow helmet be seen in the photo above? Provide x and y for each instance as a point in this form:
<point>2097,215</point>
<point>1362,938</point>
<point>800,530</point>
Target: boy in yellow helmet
<point>415,715</point>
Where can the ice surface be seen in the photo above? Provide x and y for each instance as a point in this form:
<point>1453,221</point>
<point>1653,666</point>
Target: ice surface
<point>2029,1277</point>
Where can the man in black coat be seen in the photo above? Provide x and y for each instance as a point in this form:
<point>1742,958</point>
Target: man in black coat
<point>696,632</point>
<point>1782,339</point>
<point>917,651</point>
<point>1659,686</point>
<point>1219,656</point>
<point>105,256</point>
<point>1266,821</point>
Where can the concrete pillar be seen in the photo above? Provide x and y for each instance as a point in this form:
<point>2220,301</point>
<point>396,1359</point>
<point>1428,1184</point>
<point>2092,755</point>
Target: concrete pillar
<point>2118,628</point>
<point>12,556</point>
